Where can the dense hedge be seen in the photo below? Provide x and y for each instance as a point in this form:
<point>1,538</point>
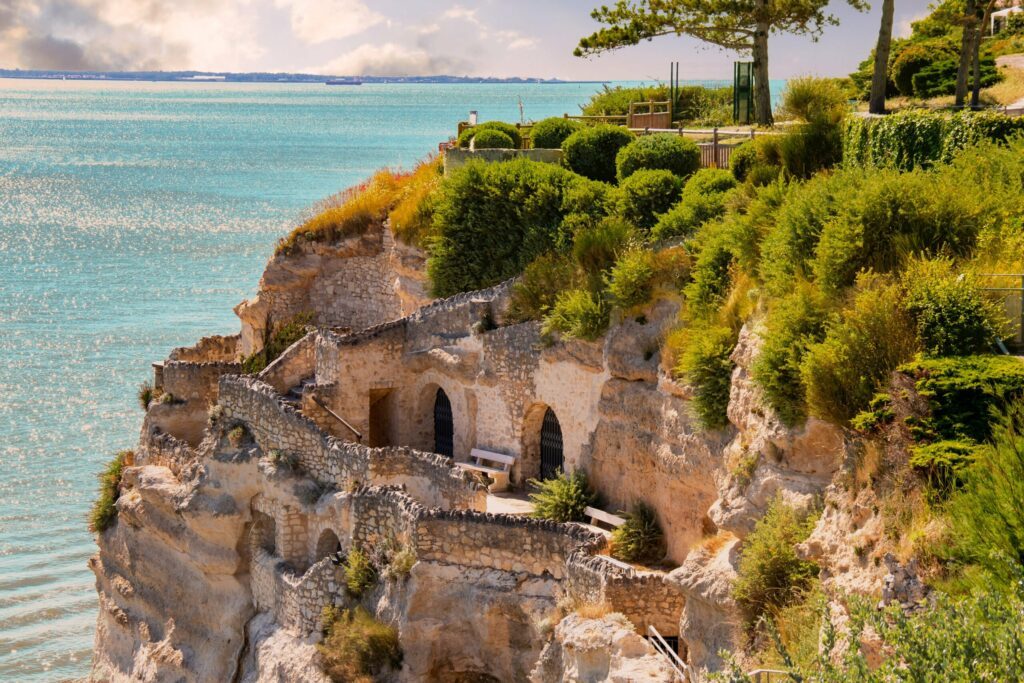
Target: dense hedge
<point>921,138</point>
<point>550,133</point>
<point>491,138</point>
<point>508,129</point>
<point>665,151</point>
<point>491,220</point>
<point>645,195</point>
<point>591,152</point>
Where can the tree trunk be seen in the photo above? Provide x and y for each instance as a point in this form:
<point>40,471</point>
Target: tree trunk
<point>880,77</point>
<point>762,87</point>
<point>966,41</point>
<point>976,81</point>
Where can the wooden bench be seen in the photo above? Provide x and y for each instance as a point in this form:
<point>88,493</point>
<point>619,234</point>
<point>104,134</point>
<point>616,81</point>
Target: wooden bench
<point>494,465</point>
<point>598,517</point>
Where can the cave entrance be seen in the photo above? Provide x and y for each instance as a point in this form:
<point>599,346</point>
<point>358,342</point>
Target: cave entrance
<point>552,460</point>
<point>444,425</point>
<point>381,403</point>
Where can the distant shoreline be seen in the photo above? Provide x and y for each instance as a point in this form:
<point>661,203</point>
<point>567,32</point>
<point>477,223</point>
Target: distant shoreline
<point>210,77</point>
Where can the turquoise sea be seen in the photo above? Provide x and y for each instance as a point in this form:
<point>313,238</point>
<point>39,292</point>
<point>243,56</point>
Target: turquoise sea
<point>133,216</point>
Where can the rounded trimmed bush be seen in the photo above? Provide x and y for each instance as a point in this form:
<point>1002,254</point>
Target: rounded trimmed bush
<point>492,139</point>
<point>507,128</point>
<point>664,151</point>
<point>743,158</point>
<point>591,151</point>
<point>709,181</point>
<point>550,133</point>
<point>647,194</point>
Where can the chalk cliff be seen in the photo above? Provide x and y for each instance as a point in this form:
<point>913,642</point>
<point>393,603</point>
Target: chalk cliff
<point>244,491</point>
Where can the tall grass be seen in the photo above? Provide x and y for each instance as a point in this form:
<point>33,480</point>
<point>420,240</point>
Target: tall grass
<point>104,508</point>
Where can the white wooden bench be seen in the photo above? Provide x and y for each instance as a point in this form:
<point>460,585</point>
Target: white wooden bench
<point>494,465</point>
<point>598,517</point>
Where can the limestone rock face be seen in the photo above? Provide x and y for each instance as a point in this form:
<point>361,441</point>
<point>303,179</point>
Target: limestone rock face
<point>356,283</point>
<point>711,620</point>
<point>595,650</point>
<point>276,656</point>
<point>172,604</point>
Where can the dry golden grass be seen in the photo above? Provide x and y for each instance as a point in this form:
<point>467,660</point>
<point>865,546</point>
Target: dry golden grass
<point>1009,90</point>
<point>412,215</point>
<point>347,213</point>
<point>713,544</point>
<point>594,610</point>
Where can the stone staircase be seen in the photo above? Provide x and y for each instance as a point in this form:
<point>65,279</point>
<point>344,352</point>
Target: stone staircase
<point>293,396</point>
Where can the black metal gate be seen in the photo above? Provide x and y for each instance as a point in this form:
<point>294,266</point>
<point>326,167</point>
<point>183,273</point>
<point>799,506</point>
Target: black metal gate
<point>551,460</point>
<point>444,429</point>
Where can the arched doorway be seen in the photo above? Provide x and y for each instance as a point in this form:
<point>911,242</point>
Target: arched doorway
<point>327,544</point>
<point>552,460</point>
<point>444,427</point>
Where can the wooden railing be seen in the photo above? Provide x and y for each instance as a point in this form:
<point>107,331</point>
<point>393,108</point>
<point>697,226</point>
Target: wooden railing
<point>768,676</point>
<point>650,114</point>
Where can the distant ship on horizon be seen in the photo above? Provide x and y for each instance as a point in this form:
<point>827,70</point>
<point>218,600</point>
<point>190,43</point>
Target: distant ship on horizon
<point>343,81</point>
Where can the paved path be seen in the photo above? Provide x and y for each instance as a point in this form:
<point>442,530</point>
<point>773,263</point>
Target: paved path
<point>1012,62</point>
<point>509,504</point>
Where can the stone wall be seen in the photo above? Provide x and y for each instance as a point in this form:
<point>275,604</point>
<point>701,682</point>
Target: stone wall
<point>646,598</point>
<point>508,543</point>
<point>353,284</point>
<point>187,381</point>
<point>294,365</point>
<point>159,448</point>
<point>277,426</point>
<point>212,349</point>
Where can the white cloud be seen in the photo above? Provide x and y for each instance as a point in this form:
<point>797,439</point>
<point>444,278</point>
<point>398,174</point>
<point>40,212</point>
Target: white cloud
<point>317,21</point>
<point>513,40</point>
<point>388,59</point>
<point>905,26</point>
<point>463,13</point>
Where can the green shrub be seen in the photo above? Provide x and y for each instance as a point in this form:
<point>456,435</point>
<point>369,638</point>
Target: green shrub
<point>646,194</point>
<point>770,576</point>
<point>356,647</point>
<point>631,280</point>
<point>794,323</point>
<point>595,250</point>
<point>911,138</point>
<point>492,139</point>
<point>104,509</point>
<point>976,637</point>
<point>535,292</point>
<point>277,342</point>
<point>660,151</point>
<point>412,216</point>
<point>943,464</point>
<point>811,148</point>
<point>562,499</point>
<point>703,199</point>
<point>612,101</point>
<point>508,129</point>
<point>591,151</point>
<point>640,539</point>
<point>491,220</point>
<point>987,517</point>
<point>813,100</point>
<point>721,246</point>
<point>146,394</point>
<point>953,316</point>
<point>963,393</point>
<point>706,364</point>
<point>764,174</point>
<point>907,61</point>
<point>939,78</point>
<point>577,314</point>
<point>236,435</point>
<point>585,203</point>
<point>744,158</point>
<point>360,574</point>
<point>550,133</point>
<point>862,346</point>
<point>708,181</point>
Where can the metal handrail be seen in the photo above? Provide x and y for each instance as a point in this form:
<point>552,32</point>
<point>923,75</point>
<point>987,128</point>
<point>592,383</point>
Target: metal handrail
<point>339,418</point>
<point>681,668</point>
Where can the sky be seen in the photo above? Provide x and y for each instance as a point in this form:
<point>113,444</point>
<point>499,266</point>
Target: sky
<point>529,38</point>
